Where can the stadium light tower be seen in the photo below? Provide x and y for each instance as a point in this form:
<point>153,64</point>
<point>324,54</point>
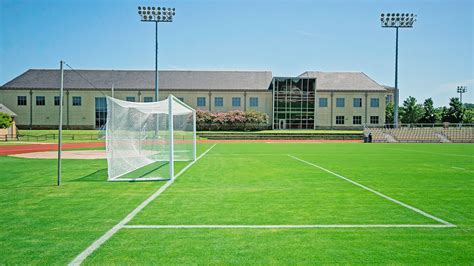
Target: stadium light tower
<point>397,20</point>
<point>461,90</point>
<point>156,15</point>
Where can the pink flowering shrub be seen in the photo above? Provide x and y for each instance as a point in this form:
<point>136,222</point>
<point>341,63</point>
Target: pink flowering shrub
<point>233,120</point>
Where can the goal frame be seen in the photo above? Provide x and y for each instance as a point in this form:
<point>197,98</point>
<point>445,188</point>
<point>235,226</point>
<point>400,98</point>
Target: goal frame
<point>171,100</point>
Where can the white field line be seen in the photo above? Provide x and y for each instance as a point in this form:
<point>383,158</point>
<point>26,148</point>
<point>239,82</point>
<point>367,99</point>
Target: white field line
<point>297,142</point>
<point>286,226</point>
<point>84,254</point>
<point>378,193</point>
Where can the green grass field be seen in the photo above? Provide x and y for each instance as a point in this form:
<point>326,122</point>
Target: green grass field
<point>250,184</point>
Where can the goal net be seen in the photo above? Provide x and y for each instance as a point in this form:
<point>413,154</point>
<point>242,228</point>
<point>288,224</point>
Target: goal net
<point>144,140</point>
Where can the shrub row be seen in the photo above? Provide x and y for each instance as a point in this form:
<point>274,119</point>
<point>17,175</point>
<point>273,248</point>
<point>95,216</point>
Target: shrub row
<point>233,120</point>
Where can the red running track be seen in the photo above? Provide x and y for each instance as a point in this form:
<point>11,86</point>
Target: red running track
<point>17,149</point>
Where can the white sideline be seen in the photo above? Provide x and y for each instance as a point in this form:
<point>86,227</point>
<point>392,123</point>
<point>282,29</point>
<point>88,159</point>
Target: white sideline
<point>84,254</point>
<point>379,194</point>
<point>286,226</point>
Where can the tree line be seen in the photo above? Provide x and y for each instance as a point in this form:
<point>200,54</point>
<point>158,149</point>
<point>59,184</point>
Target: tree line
<point>412,112</point>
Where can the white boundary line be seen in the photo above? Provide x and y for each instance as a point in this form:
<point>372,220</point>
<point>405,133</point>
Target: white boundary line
<point>84,254</point>
<point>286,226</point>
<point>379,194</point>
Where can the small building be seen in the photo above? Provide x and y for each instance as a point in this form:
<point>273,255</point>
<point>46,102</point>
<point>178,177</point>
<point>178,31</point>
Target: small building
<point>11,132</point>
<point>311,100</point>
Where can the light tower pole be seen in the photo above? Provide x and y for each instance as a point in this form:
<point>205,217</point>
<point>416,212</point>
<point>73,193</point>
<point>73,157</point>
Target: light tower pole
<point>397,20</point>
<point>156,15</point>
<point>461,90</point>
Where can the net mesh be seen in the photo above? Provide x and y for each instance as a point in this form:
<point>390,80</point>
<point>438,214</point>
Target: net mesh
<point>139,138</point>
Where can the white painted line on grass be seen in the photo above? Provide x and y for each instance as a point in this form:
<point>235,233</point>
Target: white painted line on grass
<point>459,168</point>
<point>84,254</point>
<point>286,226</point>
<point>378,193</point>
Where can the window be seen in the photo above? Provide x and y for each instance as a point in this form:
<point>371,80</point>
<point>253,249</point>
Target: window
<point>201,101</point>
<point>388,99</point>
<point>40,100</point>
<point>374,119</point>
<point>21,100</point>
<point>148,99</point>
<point>374,102</point>
<point>253,102</point>
<point>100,112</point>
<point>181,99</point>
<point>323,102</point>
<point>130,98</point>
<point>357,102</point>
<point>235,101</point>
<point>76,101</point>
<point>340,120</point>
<point>56,100</point>
<point>357,120</point>
<point>218,101</point>
<point>340,102</point>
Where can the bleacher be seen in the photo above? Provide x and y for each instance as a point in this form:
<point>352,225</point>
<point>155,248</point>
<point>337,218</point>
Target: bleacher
<point>444,133</point>
<point>460,135</point>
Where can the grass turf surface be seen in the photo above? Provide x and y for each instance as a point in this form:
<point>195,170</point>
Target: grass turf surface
<point>249,183</point>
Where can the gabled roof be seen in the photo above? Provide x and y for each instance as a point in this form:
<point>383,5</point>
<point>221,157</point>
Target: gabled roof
<point>343,81</point>
<point>142,79</point>
<point>4,109</point>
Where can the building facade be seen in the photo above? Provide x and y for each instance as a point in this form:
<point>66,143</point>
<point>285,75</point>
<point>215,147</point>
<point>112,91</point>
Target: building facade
<point>308,101</point>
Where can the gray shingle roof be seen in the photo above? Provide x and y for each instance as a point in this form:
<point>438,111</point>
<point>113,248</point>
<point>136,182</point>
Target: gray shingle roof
<point>343,81</point>
<point>4,109</point>
<point>143,79</point>
<point>184,80</point>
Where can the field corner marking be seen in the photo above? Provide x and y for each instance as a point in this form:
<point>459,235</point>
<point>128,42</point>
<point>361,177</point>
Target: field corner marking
<point>377,193</point>
<point>96,244</point>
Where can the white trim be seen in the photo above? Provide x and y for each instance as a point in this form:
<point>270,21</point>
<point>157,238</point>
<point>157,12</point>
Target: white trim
<point>378,193</point>
<point>286,226</point>
<point>89,250</point>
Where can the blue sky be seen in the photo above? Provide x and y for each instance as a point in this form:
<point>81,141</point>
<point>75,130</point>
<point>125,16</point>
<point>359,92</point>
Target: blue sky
<point>286,37</point>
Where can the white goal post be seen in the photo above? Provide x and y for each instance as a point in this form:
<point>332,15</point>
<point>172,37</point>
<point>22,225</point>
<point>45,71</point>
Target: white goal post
<point>144,140</point>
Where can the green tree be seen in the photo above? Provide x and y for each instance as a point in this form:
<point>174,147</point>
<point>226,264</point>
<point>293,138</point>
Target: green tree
<point>439,113</point>
<point>469,106</point>
<point>411,112</point>
<point>468,116</point>
<point>389,113</point>
<point>429,115</point>
<point>455,112</point>
<point>5,120</point>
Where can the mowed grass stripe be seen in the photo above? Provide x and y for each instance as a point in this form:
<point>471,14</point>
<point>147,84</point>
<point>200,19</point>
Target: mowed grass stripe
<point>377,193</point>
<point>260,190</point>
<point>287,246</point>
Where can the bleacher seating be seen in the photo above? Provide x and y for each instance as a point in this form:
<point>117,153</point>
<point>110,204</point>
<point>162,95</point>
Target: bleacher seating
<point>433,134</point>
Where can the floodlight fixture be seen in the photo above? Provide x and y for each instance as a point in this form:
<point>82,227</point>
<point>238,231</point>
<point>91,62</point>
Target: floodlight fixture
<point>397,20</point>
<point>461,90</point>
<point>156,15</point>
